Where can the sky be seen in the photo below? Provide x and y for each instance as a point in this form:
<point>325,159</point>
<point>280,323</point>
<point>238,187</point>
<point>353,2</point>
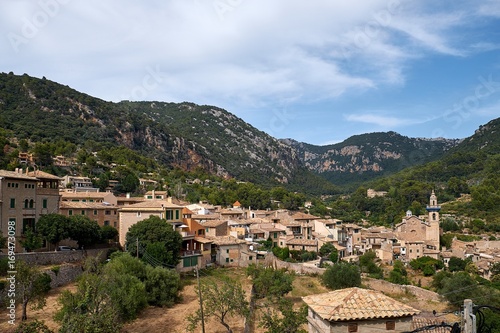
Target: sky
<point>314,71</point>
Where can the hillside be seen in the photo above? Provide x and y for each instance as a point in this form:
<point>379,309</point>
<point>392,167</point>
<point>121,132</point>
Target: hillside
<point>174,135</point>
<point>367,156</point>
<point>190,137</point>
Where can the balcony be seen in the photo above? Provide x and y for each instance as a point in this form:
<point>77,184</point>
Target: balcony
<point>190,253</point>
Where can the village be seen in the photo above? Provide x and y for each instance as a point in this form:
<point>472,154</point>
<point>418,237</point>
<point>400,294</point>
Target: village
<point>215,236</point>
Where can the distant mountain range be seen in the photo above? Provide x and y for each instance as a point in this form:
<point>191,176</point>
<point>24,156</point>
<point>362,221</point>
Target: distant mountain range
<point>190,136</point>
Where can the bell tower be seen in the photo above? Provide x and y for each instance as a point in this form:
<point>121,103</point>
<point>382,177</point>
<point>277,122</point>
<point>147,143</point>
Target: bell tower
<point>433,230</point>
<point>433,208</point>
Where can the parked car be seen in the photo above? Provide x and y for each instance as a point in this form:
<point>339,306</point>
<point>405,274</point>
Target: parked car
<point>64,248</point>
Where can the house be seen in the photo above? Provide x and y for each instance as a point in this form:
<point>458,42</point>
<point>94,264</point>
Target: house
<point>156,195</point>
<point>103,214</point>
<point>357,310</point>
<point>215,228</point>
<point>131,214</point>
<point>78,183</point>
<point>24,197</point>
<point>233,252</point>
<point>107,198</point>
<point>306,222</point>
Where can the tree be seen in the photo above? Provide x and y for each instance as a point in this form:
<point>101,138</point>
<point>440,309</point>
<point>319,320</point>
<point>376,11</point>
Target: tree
<point>269,282</point>
<point>32,286</point>
<point>84,230</point>
<point>31,241</point>
<point>155,230</point>
<point>163,286</point>
<point>221,299</point>
<point>53,227</point>
<point>456,264</point>
<point>458,287</point>
<point>368,265</point>
<point>287,320</point>
<point>329,250</point>
<point>398,274</point>
<point>342,275</point>
<point>108,233</point>
<point>90,308</point>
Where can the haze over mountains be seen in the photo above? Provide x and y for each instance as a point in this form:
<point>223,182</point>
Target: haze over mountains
<point>190,136</point>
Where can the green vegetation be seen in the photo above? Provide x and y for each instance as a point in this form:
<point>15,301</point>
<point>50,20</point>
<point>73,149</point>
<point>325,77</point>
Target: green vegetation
<point>270,283</point>
<point>221,299</point>
<point>368,264</point>
<point>342,275</point>
<point>156,237</point>
<point>109,295</point>
<point>31,286</point>
<point>426,265</point>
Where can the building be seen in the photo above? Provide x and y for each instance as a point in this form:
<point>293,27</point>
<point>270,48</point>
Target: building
<point>419,237</point>
<point>103,214</point>
<point>24,197</point>
<point>357,310</point>
<point>78,183</point>
<point>131,214</point>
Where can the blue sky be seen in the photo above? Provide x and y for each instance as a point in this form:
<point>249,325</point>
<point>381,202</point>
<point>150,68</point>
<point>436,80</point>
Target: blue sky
<point>316,72</point>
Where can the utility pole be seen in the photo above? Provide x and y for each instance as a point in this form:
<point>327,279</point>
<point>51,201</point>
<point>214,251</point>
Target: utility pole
<point>469,317</point>
<point>201,301</point>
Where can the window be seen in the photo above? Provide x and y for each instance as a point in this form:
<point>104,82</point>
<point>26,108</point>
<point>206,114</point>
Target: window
<point>227,251</point>
<point>107,212</point>
<point>32,203</point>
<point>106,222</point>
<point>26,203</point>
<point>95,211</point>
<point>70,212</point>
<point>44,203</point>
<point>83,212</point>
<point>250,258</point>
<point>390,325</point>
<point>12,202</point>
<point>177,214</point>
<point>150,197</point>
<point>275,235</point>
<point>138,214</point>
<point>352,327</point>
<point>114,224</point>
<point>227,259</point>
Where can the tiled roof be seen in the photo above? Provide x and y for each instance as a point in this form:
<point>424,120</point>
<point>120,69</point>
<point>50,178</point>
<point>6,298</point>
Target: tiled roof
<point>85,205</point>
<point>13,174</point>
<point>226,240</point>
<point>357,304</point>
<point>74,195</point>
<point>150,204</point>
<point>298,241</point>
<point>303,216</point>
<point>213,223</point>
<point>43,175</point>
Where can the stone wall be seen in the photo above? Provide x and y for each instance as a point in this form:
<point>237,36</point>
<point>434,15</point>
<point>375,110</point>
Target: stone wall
<point>391,288</point>
<point>299,268</point>
<point>59,257</point>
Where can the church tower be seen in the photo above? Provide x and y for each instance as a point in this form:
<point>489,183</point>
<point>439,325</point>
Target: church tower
<point>433,209</point>
<point>433,230</point>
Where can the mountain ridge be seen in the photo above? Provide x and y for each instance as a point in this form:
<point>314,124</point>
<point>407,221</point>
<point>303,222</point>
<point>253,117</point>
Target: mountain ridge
<point>190,136</point>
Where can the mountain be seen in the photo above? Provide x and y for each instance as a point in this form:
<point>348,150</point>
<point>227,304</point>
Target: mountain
<point>367,156</point>
<point>173,134</point>
<point>193,136</point>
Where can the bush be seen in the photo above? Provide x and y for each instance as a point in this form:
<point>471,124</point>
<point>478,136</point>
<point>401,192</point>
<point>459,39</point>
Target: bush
<point>342,275</point>
<point>163,286</point>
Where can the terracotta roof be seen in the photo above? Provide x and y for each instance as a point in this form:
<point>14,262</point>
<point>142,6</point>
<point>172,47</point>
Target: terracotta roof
<point>303,216</point>
<point>85,205</point>
<point>12,174</point>
<point>203,240</point>
<point>298,241</point>
<point>186,211</point>
<point>43,175</point>
<point>205,216</point>
<point>357,304</point>
<point>226,240</point>
<point>231,211</point>
<point>237,204</point>
<point>213,223</point>
<point>84,194</point>
<point>150,204</point>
